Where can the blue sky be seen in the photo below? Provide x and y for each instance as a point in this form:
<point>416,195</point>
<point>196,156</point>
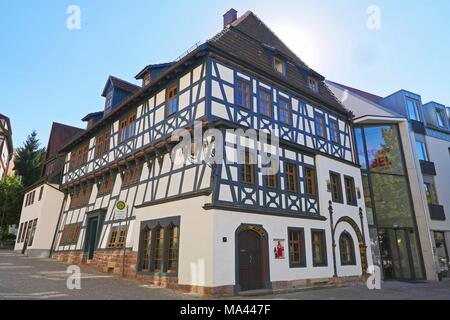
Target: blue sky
<point>51,73</point>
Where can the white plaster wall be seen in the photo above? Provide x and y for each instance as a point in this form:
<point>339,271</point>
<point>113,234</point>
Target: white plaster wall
<point>359,105</point>
<point>196,265</point>
<point>438,152</point>
<point>227,222</point>
<point>47,212</point>
<point>421,211</point>
<point>323,166</point>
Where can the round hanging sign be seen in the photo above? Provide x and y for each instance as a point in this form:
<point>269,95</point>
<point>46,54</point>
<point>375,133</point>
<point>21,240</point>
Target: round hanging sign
<point>121,205</point>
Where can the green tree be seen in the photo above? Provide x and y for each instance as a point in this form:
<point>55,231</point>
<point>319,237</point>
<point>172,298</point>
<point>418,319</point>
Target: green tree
<point>11,197</point>
<point>28,160</point>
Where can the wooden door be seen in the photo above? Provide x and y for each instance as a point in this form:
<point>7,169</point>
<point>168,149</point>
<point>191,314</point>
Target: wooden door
<point>91,237</point>
<point>250,261</point>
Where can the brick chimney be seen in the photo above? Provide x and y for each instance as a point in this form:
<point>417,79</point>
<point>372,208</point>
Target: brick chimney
<point>229,17</point>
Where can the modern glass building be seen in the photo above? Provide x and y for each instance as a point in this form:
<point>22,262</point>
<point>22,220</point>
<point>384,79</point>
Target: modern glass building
<point>389,207</point>
<point>402,226</point>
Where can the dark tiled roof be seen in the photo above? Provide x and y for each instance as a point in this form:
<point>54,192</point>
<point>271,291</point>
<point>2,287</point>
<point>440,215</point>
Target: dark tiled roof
<point>59,136</point>
<point>92,114</point>
<point>141,73</point>
<point>366,95</point>
<point>251,25</point>
<point>248,40</point>
<point>121,84</point>
<point>237,41</point>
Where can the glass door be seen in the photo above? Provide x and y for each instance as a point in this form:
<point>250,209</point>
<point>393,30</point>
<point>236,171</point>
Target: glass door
<point>442,254</point>
<point>396,253</point>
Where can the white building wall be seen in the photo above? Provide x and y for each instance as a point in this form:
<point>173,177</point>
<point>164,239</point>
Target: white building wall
<point>227,222</point>
<point>439,154</point>
<point>421,211</point>
<point>324,166</point>
<point>196,251</point>
<point>47,211</point>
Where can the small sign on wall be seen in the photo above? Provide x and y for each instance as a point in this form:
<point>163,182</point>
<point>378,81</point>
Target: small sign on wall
<point>278,248</point>
<point>120,211</point>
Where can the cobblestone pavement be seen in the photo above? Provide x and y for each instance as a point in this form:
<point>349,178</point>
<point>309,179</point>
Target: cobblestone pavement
<point>390,290</point>
<point>31,278</point>
<point>35,279</point>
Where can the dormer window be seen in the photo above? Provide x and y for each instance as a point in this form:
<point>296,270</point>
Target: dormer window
<point>279,66</point>
<point>413,109</point>
<point>440,118</point>
<point>108,102</point>
<point>313,85</point>
<point>147,79</point>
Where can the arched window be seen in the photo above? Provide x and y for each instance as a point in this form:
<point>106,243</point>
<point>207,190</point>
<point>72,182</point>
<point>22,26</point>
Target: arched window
<point>347,249</point>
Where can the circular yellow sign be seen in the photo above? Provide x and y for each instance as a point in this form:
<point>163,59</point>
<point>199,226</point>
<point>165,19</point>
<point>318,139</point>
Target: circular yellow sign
<point>121,205</point>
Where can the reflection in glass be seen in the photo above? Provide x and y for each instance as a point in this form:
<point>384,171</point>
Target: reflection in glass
<point>392,201</point>
<point>442,254</point>
<point>402,241</point>
<point>389,208</point>
<point>368,200</point>
<point>383,150</point>
<point>415,253</point>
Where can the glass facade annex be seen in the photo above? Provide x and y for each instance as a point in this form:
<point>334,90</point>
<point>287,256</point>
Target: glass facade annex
<point>388,202</point>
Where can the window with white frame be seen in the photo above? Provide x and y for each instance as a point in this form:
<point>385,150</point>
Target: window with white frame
<point>440,118</point>
<point>413,109</point>
<point>422,151</point>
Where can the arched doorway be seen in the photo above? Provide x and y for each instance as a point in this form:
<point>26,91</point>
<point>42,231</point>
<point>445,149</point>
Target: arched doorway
<point>252,267</point>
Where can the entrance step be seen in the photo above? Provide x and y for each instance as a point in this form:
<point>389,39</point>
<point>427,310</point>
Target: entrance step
<point>253,293</point>
<point>309,288</point>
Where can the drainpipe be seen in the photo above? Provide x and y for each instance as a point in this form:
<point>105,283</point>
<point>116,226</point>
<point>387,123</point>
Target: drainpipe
<point>333,241</point>
<point>361,218</point>
<point>125,244</point>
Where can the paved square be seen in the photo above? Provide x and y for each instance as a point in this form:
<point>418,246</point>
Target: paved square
<point>34,279</point>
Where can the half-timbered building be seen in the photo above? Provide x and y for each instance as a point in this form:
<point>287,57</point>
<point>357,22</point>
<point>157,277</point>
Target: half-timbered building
<point>6,145</point>
<point>218,227</point>
<point>43,200</point>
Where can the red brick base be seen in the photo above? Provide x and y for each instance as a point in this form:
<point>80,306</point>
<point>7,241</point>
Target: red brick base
<point>112,261</point>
